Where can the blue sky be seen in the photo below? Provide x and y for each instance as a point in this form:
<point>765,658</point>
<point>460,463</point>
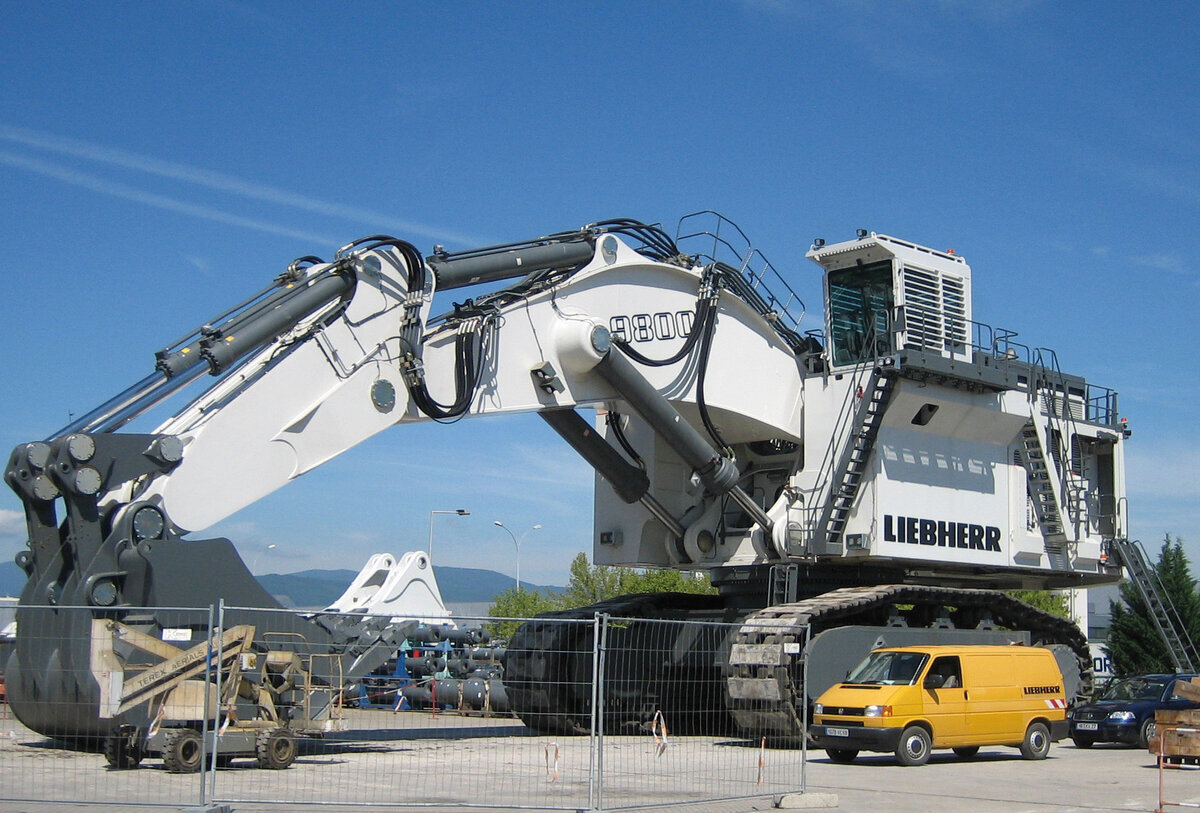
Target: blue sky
<point>160,161</point>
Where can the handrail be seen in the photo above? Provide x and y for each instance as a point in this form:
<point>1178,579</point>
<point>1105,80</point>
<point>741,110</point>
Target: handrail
<point>1100,403</point>
<point>754,272</point>
<point>841,434</point>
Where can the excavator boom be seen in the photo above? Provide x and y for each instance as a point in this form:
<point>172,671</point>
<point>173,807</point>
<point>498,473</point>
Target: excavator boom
<point>901,442</point>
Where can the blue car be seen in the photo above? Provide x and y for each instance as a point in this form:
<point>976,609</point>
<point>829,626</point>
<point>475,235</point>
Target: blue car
<point>1125,711</point>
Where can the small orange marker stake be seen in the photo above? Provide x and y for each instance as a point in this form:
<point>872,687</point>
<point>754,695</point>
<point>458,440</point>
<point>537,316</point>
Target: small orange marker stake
<point>762,759</point>
<point>660,740</point>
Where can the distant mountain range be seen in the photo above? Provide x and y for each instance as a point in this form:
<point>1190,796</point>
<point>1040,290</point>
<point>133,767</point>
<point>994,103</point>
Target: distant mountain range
<point>320,588</point>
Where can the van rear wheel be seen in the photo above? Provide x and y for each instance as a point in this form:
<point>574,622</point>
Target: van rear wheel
<point>966,751</point>
<point>1037,741</point>
<point>842,755</point>
<point>914,747</point>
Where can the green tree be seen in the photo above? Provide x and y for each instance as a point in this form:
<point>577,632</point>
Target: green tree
<point>1045,600</point>
<point>664,581</point>
<point>518,602</point>
<point>1134,643</point>
<point>589,584</point>
<point>592,583</point>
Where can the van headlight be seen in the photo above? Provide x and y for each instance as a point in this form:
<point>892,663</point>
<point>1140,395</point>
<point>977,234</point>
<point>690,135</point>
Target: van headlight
<point>818,708</point>
<point>1122,717</point>
<point>877,711</point>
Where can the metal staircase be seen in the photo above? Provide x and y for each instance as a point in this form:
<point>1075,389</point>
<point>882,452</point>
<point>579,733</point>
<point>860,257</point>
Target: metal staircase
<point>1054,486</point>
<point>852,463</point>
<point>1043,479</point>
<point>1166,618</point>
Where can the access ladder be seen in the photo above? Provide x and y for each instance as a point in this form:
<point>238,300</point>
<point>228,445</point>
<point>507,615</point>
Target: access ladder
<point>1166,618</point>
<point>847,478</point>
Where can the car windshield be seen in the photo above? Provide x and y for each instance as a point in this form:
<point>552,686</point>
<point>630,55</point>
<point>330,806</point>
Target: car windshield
<point>889,668</point>
<point>1138,688</point>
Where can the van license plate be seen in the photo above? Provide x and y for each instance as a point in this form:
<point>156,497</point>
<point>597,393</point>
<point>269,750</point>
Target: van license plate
<point>836,732</point>
<point>1086,727</point>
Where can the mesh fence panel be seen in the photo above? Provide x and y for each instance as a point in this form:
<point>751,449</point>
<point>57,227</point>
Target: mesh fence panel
<point>667,733</point>
<point>63,688</point>
<point>571,713</point>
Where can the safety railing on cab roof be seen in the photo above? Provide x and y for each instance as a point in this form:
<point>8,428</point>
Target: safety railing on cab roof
<point>758,282</point>
<point>1099,403</point>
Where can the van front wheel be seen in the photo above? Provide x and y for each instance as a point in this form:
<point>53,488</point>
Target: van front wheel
<point>1037,741</point>
<point>914,746</point>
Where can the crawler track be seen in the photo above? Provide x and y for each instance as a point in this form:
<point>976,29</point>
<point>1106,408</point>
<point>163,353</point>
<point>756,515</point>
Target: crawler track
<point>649,666</point>
<point>708,680</point>
<point>765,684</point>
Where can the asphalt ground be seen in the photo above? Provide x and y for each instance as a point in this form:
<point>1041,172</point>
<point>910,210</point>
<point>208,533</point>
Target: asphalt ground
<point>38,776</point>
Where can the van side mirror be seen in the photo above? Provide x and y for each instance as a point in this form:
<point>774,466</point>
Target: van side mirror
<point>933,681</point>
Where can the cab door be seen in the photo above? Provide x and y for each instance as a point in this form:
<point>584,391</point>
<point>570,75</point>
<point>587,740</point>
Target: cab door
<point>945,700</point>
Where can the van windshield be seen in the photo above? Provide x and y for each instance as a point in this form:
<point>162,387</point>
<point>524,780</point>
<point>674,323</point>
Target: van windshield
<point>889,668</point>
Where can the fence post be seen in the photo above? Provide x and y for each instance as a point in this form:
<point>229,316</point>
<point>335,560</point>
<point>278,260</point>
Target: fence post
<point>596,745</point>
<point>208,675</point>
<point>804,712</point>
<point>216,718</point>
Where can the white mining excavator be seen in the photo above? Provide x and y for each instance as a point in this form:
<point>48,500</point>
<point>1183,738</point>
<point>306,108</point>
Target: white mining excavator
<point>881,477</point>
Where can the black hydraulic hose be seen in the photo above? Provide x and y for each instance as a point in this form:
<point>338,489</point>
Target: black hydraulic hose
<point>613,419</point>
<point>702,313</point>
<point>701,375</point>
<point>468,369</point>
<point>657,243</point>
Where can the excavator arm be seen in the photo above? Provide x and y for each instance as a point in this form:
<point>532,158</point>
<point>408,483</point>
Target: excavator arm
<point>333,353</point>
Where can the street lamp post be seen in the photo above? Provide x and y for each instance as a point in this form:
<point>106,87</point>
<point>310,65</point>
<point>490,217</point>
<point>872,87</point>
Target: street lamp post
<point>462,512</point>
<point>254,566</point>
<point>517,543</point>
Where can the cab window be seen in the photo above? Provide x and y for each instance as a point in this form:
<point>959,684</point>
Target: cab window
<point>944,673</point>
<point>860,307</point>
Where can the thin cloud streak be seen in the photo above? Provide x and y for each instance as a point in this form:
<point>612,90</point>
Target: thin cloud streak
<point>120,190</point>
<point>223,183</point>
<point>11,522</point>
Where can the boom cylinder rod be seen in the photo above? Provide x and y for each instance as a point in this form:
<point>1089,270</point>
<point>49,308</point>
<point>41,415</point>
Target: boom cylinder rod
<point>459,271</point>
<point>629,482</point>
<point>718,474</point>
<point>248,335</point>
<point>220,348</point>
<point>174,362</point>
<point>123,408</point>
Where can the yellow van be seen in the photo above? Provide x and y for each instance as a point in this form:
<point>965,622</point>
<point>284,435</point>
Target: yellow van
<point>909,700</point>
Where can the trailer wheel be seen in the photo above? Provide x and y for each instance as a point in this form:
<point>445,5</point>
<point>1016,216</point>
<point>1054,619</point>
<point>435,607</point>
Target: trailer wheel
<point>276,749</point>
<point>843,756</point>
<point>183,750</point>
<point>122,751</point>
<point>1037,741</point>
<point>966,751</point>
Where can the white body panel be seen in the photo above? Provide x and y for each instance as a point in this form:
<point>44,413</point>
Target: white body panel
<point>946,492</point>
<point>405,590</point>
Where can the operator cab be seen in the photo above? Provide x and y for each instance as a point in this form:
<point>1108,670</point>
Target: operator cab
<point>883,295</point>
